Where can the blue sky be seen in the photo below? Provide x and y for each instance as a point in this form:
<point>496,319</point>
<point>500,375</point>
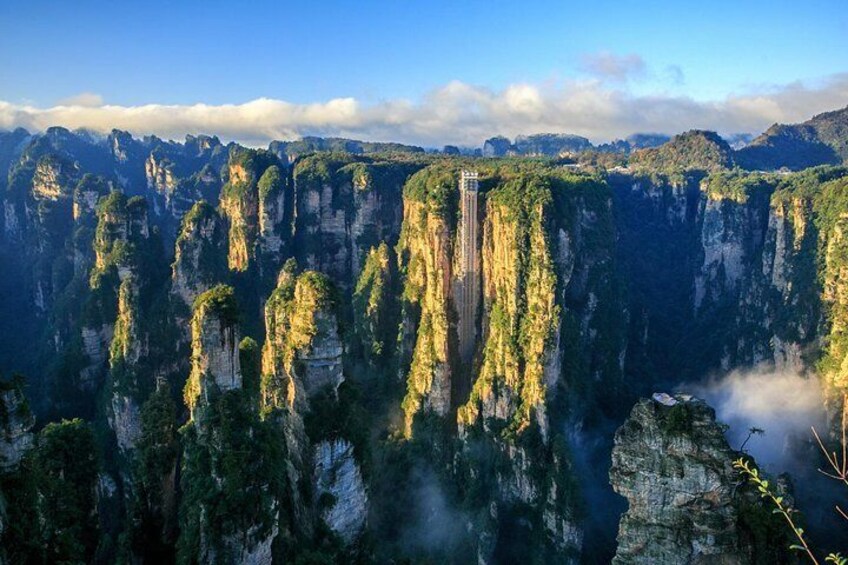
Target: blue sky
<point>386,52</point>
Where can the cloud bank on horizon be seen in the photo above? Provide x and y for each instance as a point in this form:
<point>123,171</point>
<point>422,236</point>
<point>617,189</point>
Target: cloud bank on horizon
<point>601,108</point>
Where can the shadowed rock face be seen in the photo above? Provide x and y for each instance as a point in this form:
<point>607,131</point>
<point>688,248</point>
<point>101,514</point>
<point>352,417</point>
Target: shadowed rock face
<point>200,258</point>
<point>337,474</point>
<point>674,466</point>
<point>15,428</point>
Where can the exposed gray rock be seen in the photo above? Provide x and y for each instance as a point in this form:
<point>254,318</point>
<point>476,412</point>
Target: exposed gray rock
<point>215,365</point>
<point>322,358</point>
<point>337,474</point>
<point>200,256</point>
<point>243,549</point>
<point>674,466</point>
<point>17,422</point>
<point>723,238</point>
<point>125,421</point>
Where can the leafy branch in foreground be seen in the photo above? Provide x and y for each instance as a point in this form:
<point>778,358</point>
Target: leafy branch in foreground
<point>753,475</point>
<point>839,466</point>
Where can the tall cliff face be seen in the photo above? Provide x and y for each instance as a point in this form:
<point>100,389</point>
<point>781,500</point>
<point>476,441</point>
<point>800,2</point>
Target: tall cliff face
<point>551,321</point>
<point>832,229</point>
<point>17,422</point>
<point>732,231</point>
<point>302,352</point>
<point>16,442</point>
<point>657,220</point>
<point>130,382</point>
<point>215,337</point>
<point>548,279</point>
<point>376,307</point>
<point>338,478</point>
<point>122,249</point>
<point>738,251</point>
<point>780,313</point>
<point>230,480</point>
<point>49,220</point>
<point>200,257</point>
<point>178,175</point>
<point>302,362</point>
<point>426,254</point>
<point>344,205</point>
<point>273,216</point>
<point>240,203</point>
<point>522,317</point>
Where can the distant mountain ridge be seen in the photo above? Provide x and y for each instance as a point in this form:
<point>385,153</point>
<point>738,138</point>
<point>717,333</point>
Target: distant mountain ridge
<point>822,140</point>
<point>560,144</point>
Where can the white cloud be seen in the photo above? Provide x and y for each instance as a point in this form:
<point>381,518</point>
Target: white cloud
<point>457,113</point>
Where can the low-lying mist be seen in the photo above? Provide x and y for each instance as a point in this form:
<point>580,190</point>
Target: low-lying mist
<point>783,403</point>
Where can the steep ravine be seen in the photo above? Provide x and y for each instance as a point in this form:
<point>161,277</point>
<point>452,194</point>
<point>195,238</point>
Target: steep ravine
<point>308,307</point>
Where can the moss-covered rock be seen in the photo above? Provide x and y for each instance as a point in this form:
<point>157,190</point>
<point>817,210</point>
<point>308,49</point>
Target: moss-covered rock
<point>215,336</point>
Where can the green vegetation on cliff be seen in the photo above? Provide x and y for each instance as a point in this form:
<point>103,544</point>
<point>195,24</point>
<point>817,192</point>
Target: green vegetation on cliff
<point>65,459</point>
<point>374,306</point>
<point>293,313</point>
<point>696,149</point>
<point>436,187</point>
<point>153,530</point>
<point>233,475</point>
<point>219,301</point>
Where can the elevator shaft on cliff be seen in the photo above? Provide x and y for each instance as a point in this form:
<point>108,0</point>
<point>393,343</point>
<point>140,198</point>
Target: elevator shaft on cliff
<point>468,297</point>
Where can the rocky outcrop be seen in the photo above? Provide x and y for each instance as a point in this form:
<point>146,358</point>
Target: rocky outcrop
<point>340,490</point>
<point>230,481</point>
<point>301,365</point>
<point>426,252</point>
<point>176,176</point>
<point>122,229</point>
<point>520,296</point>
<point>16,423</point>
<point>302,353</point>
<point>121,251</point>
<point>129,346</point>
<point>779,311</point>
<point>200,258</point>
<point>734,249</point>
<point>539,270</point>
<point>215,367</point>
<point>273,214</point>
<point>344,205</point>
<point>834,366</point>
<point>53,178</point>
<point>159,171</point>
<point>673,464</point>
<point>732,232</point>
<point>375,304</point>
<point>240,201</point>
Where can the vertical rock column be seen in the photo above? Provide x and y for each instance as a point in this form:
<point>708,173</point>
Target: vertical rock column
<point>231,482</point>
<point>301,364</point>
<point>673,464</point>
<point>215,337</point>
